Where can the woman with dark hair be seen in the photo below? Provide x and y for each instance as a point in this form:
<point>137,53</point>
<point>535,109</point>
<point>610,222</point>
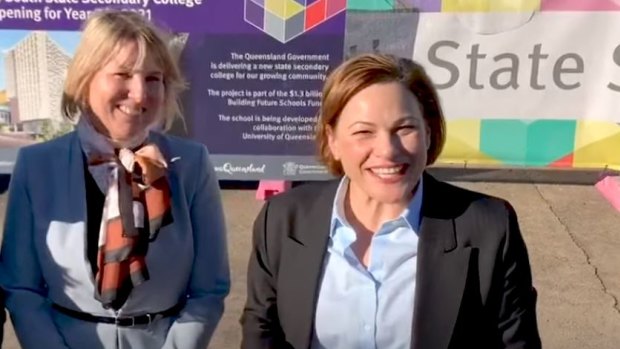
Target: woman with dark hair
<point>386,256</point>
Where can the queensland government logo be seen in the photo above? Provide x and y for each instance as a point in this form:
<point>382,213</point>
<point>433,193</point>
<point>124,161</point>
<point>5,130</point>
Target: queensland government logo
<point>287,19</point>
<point>289,168</point>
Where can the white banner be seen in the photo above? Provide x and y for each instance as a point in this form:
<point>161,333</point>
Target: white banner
<point>540,65</point>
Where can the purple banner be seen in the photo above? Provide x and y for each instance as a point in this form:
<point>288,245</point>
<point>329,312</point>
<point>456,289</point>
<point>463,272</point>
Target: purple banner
<point>196,16</point>
<point>258,96</point>
<point>256,88</point>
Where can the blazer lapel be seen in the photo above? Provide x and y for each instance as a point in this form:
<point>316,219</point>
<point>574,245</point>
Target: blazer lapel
<point>75,184</point>
<point>76,194</point>
<point>307,245</point>
<point>164,147</point>
<point>442,270</point>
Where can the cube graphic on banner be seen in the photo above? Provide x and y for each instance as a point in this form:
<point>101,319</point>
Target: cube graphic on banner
<point>287,19</point>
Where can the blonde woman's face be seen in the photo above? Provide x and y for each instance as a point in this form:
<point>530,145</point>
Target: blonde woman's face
<point>126,97</point>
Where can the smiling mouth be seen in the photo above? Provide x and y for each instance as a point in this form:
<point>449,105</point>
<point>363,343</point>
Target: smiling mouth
<point>391,172</point>
<point>131,111</point>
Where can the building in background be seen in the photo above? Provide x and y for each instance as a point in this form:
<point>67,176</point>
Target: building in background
<point>35,71</point>
<point>5,115</point>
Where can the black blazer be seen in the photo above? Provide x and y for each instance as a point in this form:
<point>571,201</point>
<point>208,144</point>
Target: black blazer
<point>473,284</point>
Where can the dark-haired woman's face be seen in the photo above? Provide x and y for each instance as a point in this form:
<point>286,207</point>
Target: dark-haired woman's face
<point>381,139</point>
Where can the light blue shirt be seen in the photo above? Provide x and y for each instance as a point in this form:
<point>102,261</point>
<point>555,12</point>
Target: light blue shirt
<point>372,308</point>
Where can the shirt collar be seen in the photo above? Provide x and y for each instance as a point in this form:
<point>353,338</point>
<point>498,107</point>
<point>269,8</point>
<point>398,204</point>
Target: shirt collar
<point>411,215</point>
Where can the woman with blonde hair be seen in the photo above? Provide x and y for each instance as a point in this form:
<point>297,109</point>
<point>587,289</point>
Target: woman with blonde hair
<point>115,234</point>
<point>386,256</point>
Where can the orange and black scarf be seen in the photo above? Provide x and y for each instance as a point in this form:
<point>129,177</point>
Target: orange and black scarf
<point>137,205</point>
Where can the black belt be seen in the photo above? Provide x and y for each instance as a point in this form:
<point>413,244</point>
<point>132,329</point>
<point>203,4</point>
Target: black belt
<point>125,321</point>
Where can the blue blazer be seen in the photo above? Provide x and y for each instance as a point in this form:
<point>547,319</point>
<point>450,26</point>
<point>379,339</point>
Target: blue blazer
<point>43,257</point>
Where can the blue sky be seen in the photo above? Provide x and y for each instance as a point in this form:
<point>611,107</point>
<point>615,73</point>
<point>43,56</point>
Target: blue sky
<point>68,40</point>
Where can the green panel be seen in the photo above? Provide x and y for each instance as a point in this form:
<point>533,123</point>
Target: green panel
<point>527,142</point>
<point>549,140</point>
<point>504,140</point>
<point>370,5</point>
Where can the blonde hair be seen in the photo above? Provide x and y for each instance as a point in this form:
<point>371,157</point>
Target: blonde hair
<point>359,72</point>
<point>101,35</point>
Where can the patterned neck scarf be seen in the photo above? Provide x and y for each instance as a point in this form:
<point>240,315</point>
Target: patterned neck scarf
<point>137,204</point>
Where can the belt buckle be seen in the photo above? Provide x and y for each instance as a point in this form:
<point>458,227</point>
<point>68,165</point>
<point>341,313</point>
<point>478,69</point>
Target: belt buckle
<point>121,321</point>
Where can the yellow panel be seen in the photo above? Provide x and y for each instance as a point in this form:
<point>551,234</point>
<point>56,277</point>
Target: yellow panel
<point>3,98</point>
<point>292,8</point>
<point>599,154</point>
<point>588,132</point>
<point>277,7</point>
<point>490,5</point>
<point>466,131</point>
<point>456,151</point>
